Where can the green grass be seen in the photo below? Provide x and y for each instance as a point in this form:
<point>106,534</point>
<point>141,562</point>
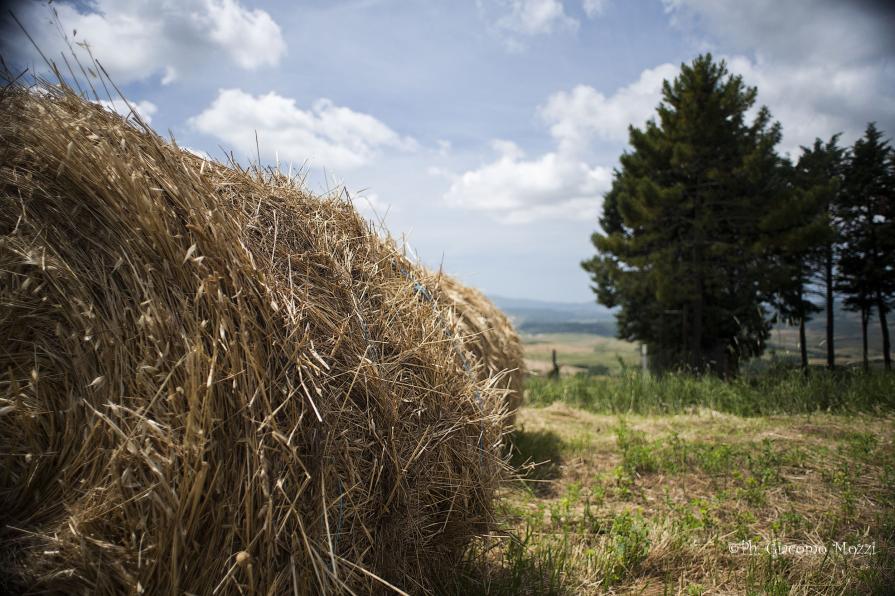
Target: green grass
<point>598,355</point>
<point>578,352</point>
<point>649,497</point>
<point>780,392</point>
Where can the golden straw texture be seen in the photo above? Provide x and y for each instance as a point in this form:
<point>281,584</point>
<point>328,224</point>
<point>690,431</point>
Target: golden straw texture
<point>488,334</point>
<point>214,382</point>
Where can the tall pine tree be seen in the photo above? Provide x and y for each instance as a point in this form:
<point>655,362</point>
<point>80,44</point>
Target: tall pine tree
<point>680,227</point>
<point>820,173</point>
<point>796,230</point>
<point>801,239</point>
<point>867,260</point>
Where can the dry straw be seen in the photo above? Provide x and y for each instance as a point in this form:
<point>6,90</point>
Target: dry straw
<point>214,382</point>
<point>488,334</point>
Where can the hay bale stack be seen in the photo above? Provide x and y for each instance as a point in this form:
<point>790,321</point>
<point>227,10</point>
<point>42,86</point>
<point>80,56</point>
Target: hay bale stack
<point>489,336</point>
<point>212,381</point>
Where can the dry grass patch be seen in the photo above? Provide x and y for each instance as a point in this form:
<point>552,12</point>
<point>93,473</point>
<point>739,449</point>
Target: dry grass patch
<point>654,504</point>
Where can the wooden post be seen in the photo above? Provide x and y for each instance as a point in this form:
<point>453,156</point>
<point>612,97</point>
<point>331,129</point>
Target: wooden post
<point>554,374</point>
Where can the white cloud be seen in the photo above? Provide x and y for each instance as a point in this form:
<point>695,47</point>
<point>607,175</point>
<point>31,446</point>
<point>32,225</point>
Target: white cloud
<point>560,183</point>
<point>594,8</point>
<point>326,135</point>
<point>578,116</point>
<point>144,109</point>
<point>439,172</point>
<point>798,30</point>
<point>170,75</point>
<point>812,85</point>
<point>813,101</point>
<point>138,39</point>
<point>507,149</point>
<point>821,66</point>
<point>535,17</point>
<point>517,190</point>
<point>514,20</point>
<point>251,37</point>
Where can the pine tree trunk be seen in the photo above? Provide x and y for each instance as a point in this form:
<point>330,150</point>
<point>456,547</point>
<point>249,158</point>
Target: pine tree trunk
<point>831,351</point>
<point>803,348</point>
<point>698,354</point>
<point>884,327</point>
<point>865,316</point>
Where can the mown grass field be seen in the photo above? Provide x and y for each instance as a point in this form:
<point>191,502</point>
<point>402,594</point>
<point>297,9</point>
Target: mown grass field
<point>688,486</point>
<point>598,354</point>
<point>579,352</point>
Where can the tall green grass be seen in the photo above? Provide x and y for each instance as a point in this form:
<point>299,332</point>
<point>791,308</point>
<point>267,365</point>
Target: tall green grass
<point>771,392</point>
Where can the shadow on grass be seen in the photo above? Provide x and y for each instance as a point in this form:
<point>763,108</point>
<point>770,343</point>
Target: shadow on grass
<point>519,561</point>
<point>538,457</point>
<point>516,566</point>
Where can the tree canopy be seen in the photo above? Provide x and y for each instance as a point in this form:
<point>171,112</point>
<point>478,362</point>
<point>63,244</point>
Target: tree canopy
<point>678,252</point>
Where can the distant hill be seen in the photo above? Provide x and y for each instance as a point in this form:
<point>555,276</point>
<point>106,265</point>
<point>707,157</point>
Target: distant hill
<point>538,316</point>
<point>847,329</point>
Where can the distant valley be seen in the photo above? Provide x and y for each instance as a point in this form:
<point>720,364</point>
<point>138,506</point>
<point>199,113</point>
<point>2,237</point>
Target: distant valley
<point>538,317</point>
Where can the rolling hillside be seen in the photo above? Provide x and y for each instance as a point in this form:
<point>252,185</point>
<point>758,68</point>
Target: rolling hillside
<point>583,334</point>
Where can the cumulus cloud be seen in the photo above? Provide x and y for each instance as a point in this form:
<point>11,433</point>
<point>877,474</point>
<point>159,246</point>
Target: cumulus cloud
<point>439,172</point>
<point>519,190</point>
<point>594,8</point>
<point>813,101</point>
<point>578,116</point>
<point>514,20</point>
<point>535,17</point>
<point>144,109</point>
<point>560,183</point>
<point>251,37</point>
<point>821,66</point>
<point>325,135</point>
<point>444,147</point>
<point>797,30</point>
<point>138,39</point>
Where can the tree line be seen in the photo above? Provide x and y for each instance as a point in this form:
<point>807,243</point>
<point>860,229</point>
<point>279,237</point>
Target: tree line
<point>709,236</point>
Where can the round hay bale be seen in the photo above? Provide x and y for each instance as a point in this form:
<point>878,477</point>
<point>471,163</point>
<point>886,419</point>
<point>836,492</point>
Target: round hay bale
<point>487,332</point>
<point>214,382</point>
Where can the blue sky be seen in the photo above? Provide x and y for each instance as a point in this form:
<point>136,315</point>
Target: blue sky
<point>484,132</point>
